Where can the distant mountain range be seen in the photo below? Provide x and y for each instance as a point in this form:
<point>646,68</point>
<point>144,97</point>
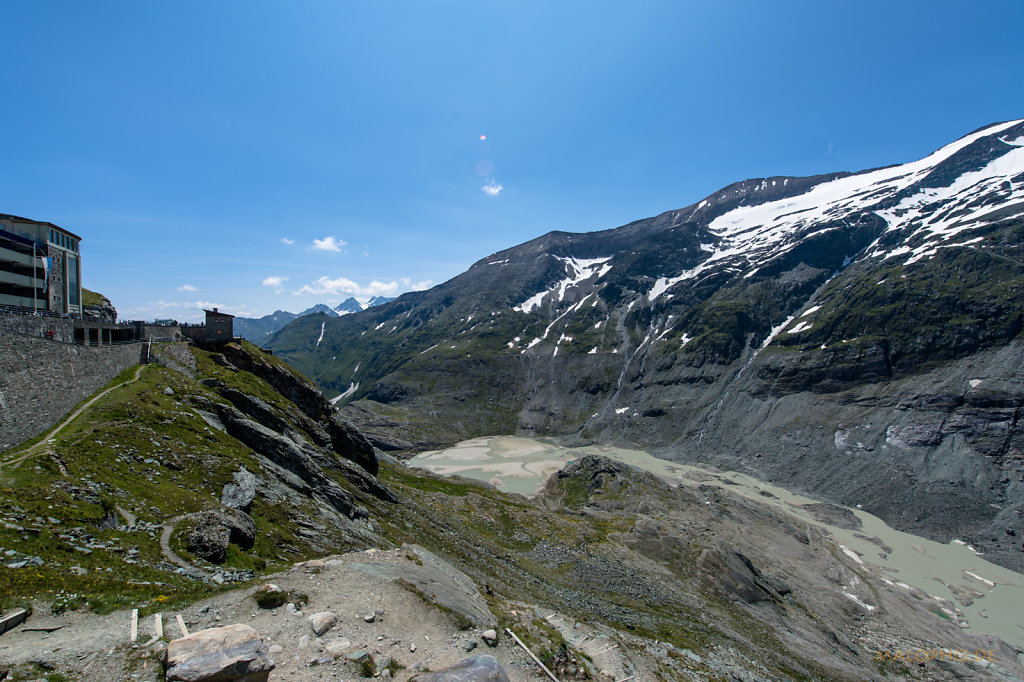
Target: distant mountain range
<point>258,330</point>
<point>856,336</point>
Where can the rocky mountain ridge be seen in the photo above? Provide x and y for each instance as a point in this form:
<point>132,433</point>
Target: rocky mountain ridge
<point>852,336</point>
<point>259,329</point>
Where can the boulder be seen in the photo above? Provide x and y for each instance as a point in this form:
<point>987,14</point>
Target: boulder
<point>737,575</point>
<point>484,668</point>
<point>233,653</point>
<point>490,637</point>
<point>270,596</point>
<point>209,540</point>
<point>338,647</point>
<point>322,622</point>
<point>240,493</point>
<point>214,529</point>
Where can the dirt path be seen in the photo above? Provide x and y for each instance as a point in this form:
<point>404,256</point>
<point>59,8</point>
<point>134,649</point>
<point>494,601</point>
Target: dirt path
<point>129,518</point>
<point>169,554</point>
<point>43,446</point>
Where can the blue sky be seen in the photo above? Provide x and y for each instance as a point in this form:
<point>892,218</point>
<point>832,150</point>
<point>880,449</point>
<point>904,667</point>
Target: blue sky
<point>271,155</point>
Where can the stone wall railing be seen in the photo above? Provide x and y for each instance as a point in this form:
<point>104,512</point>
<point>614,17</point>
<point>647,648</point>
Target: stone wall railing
<point>57,328</point>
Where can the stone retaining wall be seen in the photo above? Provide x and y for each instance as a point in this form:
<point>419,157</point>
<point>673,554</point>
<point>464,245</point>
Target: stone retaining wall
<point>41,379</point>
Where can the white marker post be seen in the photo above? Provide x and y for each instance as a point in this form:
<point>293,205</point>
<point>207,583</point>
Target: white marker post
<point>181,625</point>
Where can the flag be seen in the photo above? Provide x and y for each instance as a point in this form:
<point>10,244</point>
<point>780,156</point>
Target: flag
<point>47,264</point>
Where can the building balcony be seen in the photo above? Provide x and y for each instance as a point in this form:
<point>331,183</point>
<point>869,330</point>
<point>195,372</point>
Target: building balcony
<point>19,280</point>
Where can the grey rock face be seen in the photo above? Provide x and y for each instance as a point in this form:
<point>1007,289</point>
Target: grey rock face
<point>103,311</point>
<point>240,493</point>
<point>438,580</point>
<point>484,668</point>
<point>297,457</point>
<point>352,445</point>
<point>227,654</point>
<point>315,419</point>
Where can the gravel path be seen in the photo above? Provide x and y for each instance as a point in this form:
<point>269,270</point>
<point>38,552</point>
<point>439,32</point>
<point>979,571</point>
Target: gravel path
<point>404,627</point>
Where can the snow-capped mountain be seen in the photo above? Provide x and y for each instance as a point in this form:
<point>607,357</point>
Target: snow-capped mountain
<point>851,335</point>
<point>354,305</point>
<point>259,330</point>
<point>319,309</point>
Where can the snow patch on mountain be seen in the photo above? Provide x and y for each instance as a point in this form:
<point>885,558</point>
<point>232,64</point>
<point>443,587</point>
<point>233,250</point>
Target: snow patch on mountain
<point>760,232</point>
<point>578,270</point>
<point>352,388</point>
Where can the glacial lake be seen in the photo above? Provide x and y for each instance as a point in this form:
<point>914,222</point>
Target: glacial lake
<point>520,465</point>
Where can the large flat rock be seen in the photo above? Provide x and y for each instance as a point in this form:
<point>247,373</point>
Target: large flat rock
<point>233,653</point>
<point>438,580</point>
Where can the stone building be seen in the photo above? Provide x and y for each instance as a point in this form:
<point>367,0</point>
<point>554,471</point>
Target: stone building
<point>40,266</point>
<point>219,327</point>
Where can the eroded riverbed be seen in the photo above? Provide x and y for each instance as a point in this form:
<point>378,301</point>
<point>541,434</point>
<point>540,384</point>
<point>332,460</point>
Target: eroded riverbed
<point>990,597</point>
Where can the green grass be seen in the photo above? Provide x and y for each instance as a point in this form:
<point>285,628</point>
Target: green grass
<point>91,297</point>
<point>154,456</point>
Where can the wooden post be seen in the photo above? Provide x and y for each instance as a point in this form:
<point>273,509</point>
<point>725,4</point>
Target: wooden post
<point>527,650</point>
<point>133,631</point>
<point>181,625</point>
<point>158,626</point>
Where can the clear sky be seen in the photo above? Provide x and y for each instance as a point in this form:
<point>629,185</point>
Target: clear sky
<point>266,155</point>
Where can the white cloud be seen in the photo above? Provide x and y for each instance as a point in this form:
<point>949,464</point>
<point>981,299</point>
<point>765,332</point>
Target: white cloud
<point>418,286</point>
<point>492,189</point>
<point>187,287</point>
<point>183,311</point>
<point>329,244</point>
<point>274,281</point>
<point>342,286</point>
<point>285,240</point>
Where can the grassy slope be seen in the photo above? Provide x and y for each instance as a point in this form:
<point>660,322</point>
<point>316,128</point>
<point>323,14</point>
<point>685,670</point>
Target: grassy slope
<point>153,455</point>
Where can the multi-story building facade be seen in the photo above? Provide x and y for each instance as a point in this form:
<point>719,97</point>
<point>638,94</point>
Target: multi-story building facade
<point>40,266</point>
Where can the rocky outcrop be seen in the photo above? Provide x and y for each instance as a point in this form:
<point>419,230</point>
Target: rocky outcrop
<point>99,308</point>
<point>483,668</point>
<point>735,574</point>
<point>306,396</point>
<point>234,653</point>
<point>352,445</point>
<point>240,493</point>
<point>297,457</point>
<point>215,529</point>
<point>436,580</point>
<point>316,417</point>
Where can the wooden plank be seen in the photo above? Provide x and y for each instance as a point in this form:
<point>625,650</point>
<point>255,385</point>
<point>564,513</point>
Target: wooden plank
<point>181,625</point>
<point>158,626</point>
<point>527,650</point>
<point>12,620</point>
<point>133,631</point>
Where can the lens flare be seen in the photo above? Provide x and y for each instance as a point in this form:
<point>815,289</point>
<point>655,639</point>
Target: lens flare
<point>483,137</point>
